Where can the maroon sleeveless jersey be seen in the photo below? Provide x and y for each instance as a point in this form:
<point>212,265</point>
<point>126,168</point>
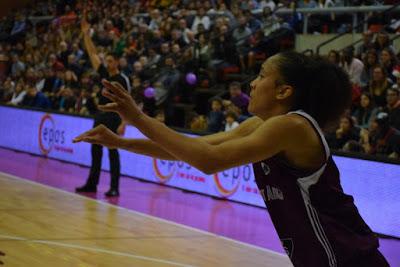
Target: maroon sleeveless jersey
<point>317,223</point>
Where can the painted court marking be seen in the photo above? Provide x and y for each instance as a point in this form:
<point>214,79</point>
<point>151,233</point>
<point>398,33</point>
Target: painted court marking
<point>112,252</point>
<point>145,215</point>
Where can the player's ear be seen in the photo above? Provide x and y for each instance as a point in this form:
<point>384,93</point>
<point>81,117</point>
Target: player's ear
<point>284,91</point>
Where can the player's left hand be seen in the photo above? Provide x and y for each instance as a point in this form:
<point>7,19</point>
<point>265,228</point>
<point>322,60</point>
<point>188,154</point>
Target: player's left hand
<point>122,102</point>
<point>100,135</point>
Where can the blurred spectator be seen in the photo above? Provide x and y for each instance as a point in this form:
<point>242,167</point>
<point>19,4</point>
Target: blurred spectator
<point>393,107</point>
<point>346,132</point>
<point>224,49</point>
<point>238,98</point>
<point>35,99</point>
<point>201,18</point>
<point>370,61</point>
<point>17,66</point>
<point>156,19</point>
<point>242,32</point>
<point>202,52</point>
<point>334,57</point>
<point>270,21</point>
<point>378,85</point>
<point>366,112</point>
<point>388,61</point>
<point>253,22</point>
<point>382,41</point>
<point>216,116</point>
<point>230,121</point>
<point>396,73</point>
<point>267,4</point>
<point>7,89</point>
<point>353,66</point>
<point>66,101</point>
<point>365,46</point>
<point>257,51</point>
<point>382,139</point>
<point>73,65</point>
<point>19,94</point>
<point>85,104</point>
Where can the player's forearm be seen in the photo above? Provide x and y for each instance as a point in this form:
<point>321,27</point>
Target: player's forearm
<point>145,147</point>
<point>194,151</point>
<point>151,149</point>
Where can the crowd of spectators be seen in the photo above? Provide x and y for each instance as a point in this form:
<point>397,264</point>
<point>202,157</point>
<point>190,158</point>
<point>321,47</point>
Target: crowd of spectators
<point>44,62</point>
<point>372,125</point>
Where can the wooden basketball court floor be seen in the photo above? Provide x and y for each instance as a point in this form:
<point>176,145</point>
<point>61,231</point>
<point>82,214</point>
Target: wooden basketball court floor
<point>45,226</point>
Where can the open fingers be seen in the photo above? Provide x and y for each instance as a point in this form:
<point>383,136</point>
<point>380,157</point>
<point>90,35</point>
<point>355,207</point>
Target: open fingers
<point>115,88</point>
<point>111,96</point>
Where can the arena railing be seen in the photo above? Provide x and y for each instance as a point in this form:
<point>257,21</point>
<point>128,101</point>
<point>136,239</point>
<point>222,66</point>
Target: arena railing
<point>382,159</point>
<point>382,10</point>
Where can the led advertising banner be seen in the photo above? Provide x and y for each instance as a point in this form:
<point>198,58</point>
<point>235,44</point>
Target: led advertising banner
<point>51,135</point>
<point>374,185</point>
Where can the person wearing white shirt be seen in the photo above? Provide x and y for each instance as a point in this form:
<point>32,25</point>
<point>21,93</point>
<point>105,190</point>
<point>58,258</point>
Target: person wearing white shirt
<point>353,66</point>
<point>268,3</point>
<point>230,121</point>
<point>18,94</point>
<point>201,18</point>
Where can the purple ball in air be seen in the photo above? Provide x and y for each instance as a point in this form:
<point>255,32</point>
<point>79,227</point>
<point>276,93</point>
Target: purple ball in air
<point>149,92</point>
<point>191,78</point>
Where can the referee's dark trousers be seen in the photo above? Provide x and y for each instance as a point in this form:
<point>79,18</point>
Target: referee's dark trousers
<point>111,121</point>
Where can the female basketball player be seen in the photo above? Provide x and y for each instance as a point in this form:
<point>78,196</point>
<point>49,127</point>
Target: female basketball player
<point>292,98</point>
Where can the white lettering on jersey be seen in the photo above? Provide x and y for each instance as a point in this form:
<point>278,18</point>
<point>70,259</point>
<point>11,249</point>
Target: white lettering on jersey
<point>265,168</point>
<point>271,193</point>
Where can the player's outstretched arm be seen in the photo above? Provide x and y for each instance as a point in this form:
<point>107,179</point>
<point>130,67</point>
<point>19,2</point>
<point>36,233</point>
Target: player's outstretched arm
<point>271,137</point>
<point>101,135</point>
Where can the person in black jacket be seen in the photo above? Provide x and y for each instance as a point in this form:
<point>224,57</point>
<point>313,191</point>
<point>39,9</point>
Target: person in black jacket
<point>108,119</point>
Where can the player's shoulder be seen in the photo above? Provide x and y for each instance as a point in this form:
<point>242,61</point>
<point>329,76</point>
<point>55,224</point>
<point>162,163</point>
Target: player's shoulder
<point>289,119</point>
<point>292,125</point>
<point>247,127</point>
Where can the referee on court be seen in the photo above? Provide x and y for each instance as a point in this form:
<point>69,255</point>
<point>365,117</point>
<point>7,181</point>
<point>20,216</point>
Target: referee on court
<point>108,119</point>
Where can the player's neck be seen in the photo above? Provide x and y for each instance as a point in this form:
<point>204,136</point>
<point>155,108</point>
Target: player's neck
<point>278,110</point>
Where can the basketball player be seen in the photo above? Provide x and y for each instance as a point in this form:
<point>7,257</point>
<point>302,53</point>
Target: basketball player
<point>293,97</point>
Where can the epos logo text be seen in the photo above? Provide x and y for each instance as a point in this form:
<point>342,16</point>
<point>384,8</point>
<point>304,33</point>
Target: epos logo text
<point>227,182</point>
<point>50,137</point>
<point>165,170</point>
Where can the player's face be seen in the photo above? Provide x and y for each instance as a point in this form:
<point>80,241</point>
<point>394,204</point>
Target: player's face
<point>264,89</point>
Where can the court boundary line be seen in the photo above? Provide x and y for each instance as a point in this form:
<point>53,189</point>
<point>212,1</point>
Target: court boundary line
<point>94,249</point>
<point>145,215</point>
